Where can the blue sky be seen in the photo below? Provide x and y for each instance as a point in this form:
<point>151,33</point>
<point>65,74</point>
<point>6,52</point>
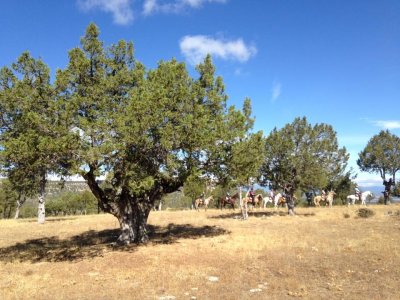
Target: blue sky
<point>336,62</point>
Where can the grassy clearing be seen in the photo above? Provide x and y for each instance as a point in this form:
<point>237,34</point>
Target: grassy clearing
<point>317,254</point>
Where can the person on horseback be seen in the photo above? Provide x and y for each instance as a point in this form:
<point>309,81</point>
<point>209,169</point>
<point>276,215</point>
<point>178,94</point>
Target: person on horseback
<point>202,197</point>
<point>227,196</point>
<point>250,194</point>
<point>272,194</point>
<point>323,194</point>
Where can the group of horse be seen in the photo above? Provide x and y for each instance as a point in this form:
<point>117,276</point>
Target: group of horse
<point>258,201</point>
<point>277,200</point>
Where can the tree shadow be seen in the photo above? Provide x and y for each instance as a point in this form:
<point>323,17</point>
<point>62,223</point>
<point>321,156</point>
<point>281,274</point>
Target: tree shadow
<point>91,244</point>
<point>60,219</point>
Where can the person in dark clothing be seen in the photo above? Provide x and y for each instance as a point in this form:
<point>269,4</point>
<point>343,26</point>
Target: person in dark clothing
<point>309,196</point>
<point>388,186</point>
<point>288,190</point>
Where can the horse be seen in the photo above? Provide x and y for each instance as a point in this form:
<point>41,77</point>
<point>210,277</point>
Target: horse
<point>223,201</point>
<point>258,199</point>
<point>266,200</point>
<point>279,200</point>
<point>328,199</point>
<point>351,199</point>
<point>200,202</point>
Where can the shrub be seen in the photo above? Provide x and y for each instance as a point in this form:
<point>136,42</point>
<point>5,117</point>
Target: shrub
<point>365,213</point>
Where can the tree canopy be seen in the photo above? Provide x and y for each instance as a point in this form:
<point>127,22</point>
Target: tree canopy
<point>146,130</point>
<point>304,156</point>
<point>381,155</point>
<point>32,136</point>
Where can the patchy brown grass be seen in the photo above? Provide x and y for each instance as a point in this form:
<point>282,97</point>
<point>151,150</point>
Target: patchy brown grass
<point>317,254</point>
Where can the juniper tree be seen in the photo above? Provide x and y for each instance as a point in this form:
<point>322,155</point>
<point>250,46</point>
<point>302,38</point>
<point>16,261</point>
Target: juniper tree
<point>381,155</point>
<point>303,156</point>
<point>31,134</point>
<point>145,130</point>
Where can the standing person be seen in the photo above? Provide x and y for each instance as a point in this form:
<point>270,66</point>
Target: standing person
<point>309,196</point>
<point>386,193</point>
<point>288,190</point>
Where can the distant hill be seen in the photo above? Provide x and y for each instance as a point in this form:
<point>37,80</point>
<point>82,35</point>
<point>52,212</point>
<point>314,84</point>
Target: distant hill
<point>375,189</point>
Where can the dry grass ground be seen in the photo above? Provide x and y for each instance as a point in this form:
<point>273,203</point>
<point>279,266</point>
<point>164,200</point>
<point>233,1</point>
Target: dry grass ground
<point>320,253</point>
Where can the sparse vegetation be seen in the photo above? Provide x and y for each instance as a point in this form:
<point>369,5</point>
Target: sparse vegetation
<point>365,213</point>
<point>316,255</point>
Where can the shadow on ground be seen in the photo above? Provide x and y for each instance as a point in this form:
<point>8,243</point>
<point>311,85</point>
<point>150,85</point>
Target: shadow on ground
<point>93,244</point>
<point>51,219</point>
<point>259,214</point>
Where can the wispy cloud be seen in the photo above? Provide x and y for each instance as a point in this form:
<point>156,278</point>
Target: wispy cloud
<point>196,47</point>
<point>154,6</point>
<point>390,124</point>
<point>120,9</point>
<point>276,91</point>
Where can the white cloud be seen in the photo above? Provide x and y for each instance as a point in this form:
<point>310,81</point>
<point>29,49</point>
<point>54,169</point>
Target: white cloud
<point>120,9</point>
<point>387,124</point>
<point>196,47</point>
<point>276,91</point>
<point>154,6</point>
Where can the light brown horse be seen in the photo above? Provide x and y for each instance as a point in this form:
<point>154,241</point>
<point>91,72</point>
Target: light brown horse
<point>328,199</point>
<point>258,200</point>
<point>200,202</point>
<point>279,200</point>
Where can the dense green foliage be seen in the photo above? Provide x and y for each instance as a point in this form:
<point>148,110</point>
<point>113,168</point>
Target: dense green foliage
<point>305,156</point>
<point>32,140</point>
<point>381,155</point>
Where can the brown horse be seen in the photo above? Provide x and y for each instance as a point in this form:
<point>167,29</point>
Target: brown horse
<point>223,201</point>
<point>200,202</point>
<point>258,200</point>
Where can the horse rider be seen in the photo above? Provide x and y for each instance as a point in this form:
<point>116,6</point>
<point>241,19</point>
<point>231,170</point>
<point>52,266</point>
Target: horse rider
<point>250,194</point>
<point>227,196</point>
<point>272,194</point>
<point>202,197</point>
<point>323,194</point>
<point>357,192</point>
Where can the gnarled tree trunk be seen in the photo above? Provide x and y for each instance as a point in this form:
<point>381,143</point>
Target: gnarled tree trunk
<point>132,219</point>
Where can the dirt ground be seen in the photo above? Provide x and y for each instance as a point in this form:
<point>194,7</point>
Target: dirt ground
<point>320,253</point>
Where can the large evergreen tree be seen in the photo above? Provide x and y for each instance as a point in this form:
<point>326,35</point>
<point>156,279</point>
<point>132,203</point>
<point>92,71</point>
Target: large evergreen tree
<point>303,156</point>
<point>31,131</point>
<point>146,130</point>
<point>381,155</point>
